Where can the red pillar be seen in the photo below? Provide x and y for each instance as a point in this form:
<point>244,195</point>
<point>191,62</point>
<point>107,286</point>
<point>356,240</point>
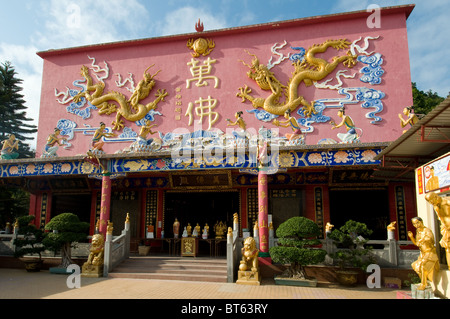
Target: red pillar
<point>105,203</point>
<point>263,219</point>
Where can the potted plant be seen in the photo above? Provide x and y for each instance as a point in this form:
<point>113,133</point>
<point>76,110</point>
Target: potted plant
<point>296,238</point>
<point>351,254</point>
<point>29,242</point>
<point>67,230</point>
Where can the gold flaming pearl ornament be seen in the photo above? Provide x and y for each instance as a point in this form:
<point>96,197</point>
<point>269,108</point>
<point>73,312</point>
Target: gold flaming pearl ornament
<point>201,46</point>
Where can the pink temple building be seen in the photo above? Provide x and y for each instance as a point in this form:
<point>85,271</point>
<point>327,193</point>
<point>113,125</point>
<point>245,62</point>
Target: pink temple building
<point>203,102</point>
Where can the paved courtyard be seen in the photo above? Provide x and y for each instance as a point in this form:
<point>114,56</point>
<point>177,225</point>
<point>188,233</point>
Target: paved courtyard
<point>19,284</point>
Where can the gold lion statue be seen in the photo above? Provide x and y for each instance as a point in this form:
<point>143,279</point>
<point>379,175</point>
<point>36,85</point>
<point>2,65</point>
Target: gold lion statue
<point>96,252</point>
<point>249,255</point>
<point>93,267</point>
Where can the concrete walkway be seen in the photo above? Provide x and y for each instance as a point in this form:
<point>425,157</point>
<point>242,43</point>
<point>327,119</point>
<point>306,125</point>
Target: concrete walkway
<point>19,284</point>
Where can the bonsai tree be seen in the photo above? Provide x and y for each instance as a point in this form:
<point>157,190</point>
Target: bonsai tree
<point>296,236</point>
<point>32,241</point>
<point>351,241</point>
<point>67,229</point>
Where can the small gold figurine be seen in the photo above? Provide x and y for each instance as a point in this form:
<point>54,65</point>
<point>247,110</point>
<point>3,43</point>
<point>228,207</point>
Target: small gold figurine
<point>176,228</point>
<point>428,262</point>
<point>411,118</point>
<point>391,226</point>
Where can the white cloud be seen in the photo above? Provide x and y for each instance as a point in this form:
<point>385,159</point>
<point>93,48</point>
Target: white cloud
<point>69,23</point>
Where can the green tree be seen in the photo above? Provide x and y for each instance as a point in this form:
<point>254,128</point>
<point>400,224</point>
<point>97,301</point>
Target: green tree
<point>424,102</point>
<point>13,120</point>
<point>14,202</point>
<point>67,230</point>
<point>296,240</point>
<point>13,115</point>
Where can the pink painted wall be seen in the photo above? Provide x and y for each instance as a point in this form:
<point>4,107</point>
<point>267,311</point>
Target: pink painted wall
<point>171,55</point>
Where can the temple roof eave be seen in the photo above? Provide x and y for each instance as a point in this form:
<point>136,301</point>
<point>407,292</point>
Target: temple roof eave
<point>318,156</point>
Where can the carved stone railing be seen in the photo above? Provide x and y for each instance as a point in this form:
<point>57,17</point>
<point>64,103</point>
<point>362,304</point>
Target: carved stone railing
<point>234,246</point>
<point>116,249</point>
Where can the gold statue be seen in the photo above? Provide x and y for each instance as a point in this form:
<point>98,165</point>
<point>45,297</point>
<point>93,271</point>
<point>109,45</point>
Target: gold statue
<point>220,229</point>
<point>249,266</point>
<point>176,228</point>
<point>130,109</point>
<point>189,229</point>
<point>411,118</point>
<point>441,206</point>
<point>307,71</point>
<point>428,262</point>
<point>8,148</point>
<point>93,267</point>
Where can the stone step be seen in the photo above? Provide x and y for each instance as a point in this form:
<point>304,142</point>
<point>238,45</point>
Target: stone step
<point>172,268</point>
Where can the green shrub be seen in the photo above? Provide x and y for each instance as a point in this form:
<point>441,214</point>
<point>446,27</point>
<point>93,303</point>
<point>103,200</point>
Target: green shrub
<point>350,239</point>
<point>296,236</point>
<point>32,241</point>
<point>67,229</point>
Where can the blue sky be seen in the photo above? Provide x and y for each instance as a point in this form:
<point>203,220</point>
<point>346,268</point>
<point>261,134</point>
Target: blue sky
<point>29,26</point>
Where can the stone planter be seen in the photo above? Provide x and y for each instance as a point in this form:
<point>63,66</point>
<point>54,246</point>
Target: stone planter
<point>347,277</point>
<point>421,294</point>
<point>143,250</point>
<point>295,282</point>
<point>33,264</point>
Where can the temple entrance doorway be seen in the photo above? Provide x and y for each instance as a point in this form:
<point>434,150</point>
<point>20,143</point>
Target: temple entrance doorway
<point>369,206</point>
<point>199,207</point>
<point>78,204</point>
<point>123,203</point>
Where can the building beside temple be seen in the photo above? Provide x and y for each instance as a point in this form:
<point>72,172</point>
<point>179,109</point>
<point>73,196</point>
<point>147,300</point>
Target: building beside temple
<point>180,125</point>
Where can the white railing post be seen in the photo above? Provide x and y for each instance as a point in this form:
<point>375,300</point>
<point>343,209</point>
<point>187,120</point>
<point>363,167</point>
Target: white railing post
<point>107,262</point>
<point>127,236</point>
<point>230,256</point>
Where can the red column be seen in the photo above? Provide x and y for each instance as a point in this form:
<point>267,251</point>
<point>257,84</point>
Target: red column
<point>263,219</point>
<point>105,203</point>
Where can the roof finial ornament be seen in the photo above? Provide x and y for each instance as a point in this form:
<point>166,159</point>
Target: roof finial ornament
<point>199,26</point>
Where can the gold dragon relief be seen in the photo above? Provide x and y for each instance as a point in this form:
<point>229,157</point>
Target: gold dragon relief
<point>309,70</point>
<point>131,108</point>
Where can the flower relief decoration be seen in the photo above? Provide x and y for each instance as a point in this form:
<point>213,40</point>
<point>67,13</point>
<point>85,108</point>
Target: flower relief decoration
<point>89,96</point>
<point>310,70</point>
